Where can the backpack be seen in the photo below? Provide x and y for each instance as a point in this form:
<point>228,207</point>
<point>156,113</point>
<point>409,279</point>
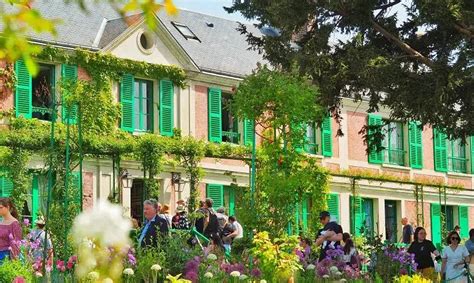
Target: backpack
<point>213,226</point>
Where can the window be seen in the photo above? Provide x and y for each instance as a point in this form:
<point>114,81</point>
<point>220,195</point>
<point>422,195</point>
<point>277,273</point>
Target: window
<point>143,103</point>
<point>362,216</point>
<point>311,145</point>
<point>42,93</point>
<point>319,140</point>
<point>456,156</point>
<point>393,143</point>
<point>185,31</point>
<point>223,196</point>
<point>230,125</point>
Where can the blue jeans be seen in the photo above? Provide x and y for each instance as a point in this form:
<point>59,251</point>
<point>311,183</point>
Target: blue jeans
<point>4,255</point>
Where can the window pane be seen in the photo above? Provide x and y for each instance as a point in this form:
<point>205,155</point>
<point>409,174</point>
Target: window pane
<point>137,113</point>
<point>42,92</point>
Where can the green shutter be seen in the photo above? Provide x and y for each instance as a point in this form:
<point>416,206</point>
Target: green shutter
<point>472,154</point>
<point>374,155</point>
<point>304,213</point>
<point>215,114</point>
<point>231,201</point>
<point>127,87</point>
<point>357,215</point>
<point>333,206</point>
<point>35,199</point>
<point>326,137</point>
<point>416,145</point>
<point>23,91</point>
<point>463,213</point>
<point>248,132</point>
<point>440,151</point>
<point>166,108</point>
<point>76,191</point>
<point>69,73</point>
<point>216,193</point>
<point>436,224</point>
<point>6,186</point>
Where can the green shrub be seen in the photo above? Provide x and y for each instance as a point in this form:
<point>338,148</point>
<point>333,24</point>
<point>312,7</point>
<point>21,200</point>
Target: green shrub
<point>11,269</point>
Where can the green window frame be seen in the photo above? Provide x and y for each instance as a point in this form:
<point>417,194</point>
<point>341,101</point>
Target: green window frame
<point>436,225</point>
<point>415,140</point>
<point>374,122</point>
<point>166,108</point>
<point>310,145</point>
<point>127,87</point>
<point>440,151</point>
<point>68,74</point>
<point>332,201</point>
<point>393,143</point>
<point>457,161</point>
<point>6,184</point>
<point>216,193</point>
<point>143,105</point>
<point>249,132</point>
<point>214,98</point>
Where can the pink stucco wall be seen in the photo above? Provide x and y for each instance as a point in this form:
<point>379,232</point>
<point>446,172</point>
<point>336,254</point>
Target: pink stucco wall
<point>357,148</point>
<point>201,112</point>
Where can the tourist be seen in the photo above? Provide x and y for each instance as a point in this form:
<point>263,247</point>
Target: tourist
<point>239,231</point>
<point>134,232</point>
<point>407,232</point>
<point>9,227</point>
<point>423,250</point>
<point>305,250</point>
<point>221,217</point>
<point>211,224</point>
<point>153,224</point>
<point>38,237</point>
<point>457,229</point>
<point>470,248</point>
<point>454,256</point>
<point>350,256</point>
<point>165,214</point>
<point>227,239</point>
<point>200,219</point>
<point>330,236</point>
<point>180,220</point>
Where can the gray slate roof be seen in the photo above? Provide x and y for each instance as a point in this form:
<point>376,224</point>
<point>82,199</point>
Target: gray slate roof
<point>222,49</point>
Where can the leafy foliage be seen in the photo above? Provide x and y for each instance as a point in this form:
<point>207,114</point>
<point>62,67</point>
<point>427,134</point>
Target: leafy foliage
<point>11,269</point>
<point>414,58</point>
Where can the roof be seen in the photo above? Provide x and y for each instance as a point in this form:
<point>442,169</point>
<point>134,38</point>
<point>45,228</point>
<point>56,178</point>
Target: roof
<point>221,48</point>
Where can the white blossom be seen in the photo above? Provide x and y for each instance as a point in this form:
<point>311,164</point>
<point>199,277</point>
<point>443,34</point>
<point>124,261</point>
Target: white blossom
<point>325,276</point>
<point>235,274</point>
<point>333,269</point>
<point>108,280</point>
<point>208,275</point>
<point>243,277</point>
<point>310,267</point>
<point>93,275</point>
<point>211,257</point>
<point>156,267</point>
<point>338,273</point>
<point>263,281</point>
<point>343,280</point>
<point>128,271</point>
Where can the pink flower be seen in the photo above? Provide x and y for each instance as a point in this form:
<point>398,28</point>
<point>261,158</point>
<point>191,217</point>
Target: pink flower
<point>26,222</point>
<point>60,265</point>
<point>19,279</point>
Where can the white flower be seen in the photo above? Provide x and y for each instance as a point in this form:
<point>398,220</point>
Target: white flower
<point>94,275</point>
<point>243,277</point>
<point>208,275</point>
<point>325,276</point>
<point>211,257</point>
<point>263,281</point>
<point>338,273</point>
<point>108,280</point>
<point>235,274</point>
<point>104,224</point>
<point>156,267</point>
<point>343,280</point>
<point>128,271</point>
<point>310,267</point>
<point>333,269</point>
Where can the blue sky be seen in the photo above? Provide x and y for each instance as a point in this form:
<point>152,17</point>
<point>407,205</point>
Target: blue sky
<point>209,7</point>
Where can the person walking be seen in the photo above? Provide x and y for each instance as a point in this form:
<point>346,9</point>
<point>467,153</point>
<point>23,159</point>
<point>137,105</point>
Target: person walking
<point>152,226</point>
<point>330,236</point>
<point>407,232</point>
<point>38,237</point>
<point>239,231</point>
<point>470,248</point>
<point>10,230</point>
<point>454,256</point>
<point>180,220</point>
<point>221,217</point>
<point>211,224</point>
<point>165,214</point>
<point>423,250</point>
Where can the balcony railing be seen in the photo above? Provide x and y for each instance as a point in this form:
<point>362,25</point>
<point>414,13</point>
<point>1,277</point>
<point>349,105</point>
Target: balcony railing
<point>395,156</point>
<point>42,113</point>
<point>232,137</point>
<point>457,164</point>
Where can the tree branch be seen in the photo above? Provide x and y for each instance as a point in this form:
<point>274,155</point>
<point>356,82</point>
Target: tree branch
<point>405,47</point>
<point>388,5</point>
<point>464,30</point>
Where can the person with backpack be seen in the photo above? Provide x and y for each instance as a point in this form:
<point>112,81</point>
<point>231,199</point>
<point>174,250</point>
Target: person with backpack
<point>211,224</point>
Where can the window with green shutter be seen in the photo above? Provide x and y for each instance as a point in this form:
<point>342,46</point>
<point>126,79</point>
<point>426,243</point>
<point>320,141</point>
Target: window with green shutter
<point>216,193</point>
<point>463,215</point>
<point>393,152</point>
<point>166,108</point>
<point>127,102</point>
<point>357,215</point>
<point>333,206</point>
<point>6,186</point>
<point>440,151</point>
<point>215,114</point>
<point>310,145</point>
<point>23,91</point>
<point>305,213</point>
<point>436,224</point>
<point>457,161</point>
<point>249,132</point>
<point>374,155</point>
<point>43,92</point>
<point>229,199</point>
<point>143,106</point>
<point>68,74</point>
<point>415,138</point>
<point>326,137</point>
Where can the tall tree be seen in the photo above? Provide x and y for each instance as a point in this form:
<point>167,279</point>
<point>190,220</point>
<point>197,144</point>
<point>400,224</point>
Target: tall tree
<point>414,56</point>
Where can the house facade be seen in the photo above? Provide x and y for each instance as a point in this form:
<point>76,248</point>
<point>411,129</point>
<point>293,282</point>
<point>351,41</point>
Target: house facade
<point>215,58</point>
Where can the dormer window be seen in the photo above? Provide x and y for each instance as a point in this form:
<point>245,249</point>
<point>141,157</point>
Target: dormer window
<point>185,31</point>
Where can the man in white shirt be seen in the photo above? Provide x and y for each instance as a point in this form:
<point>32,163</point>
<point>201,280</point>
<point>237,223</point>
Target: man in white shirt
<point>239,231</point>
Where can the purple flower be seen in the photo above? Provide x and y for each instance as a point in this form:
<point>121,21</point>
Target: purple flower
<point>26,222</point>
<point>191,275</point>
<point>131,259</point>
<point>256,273</point>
